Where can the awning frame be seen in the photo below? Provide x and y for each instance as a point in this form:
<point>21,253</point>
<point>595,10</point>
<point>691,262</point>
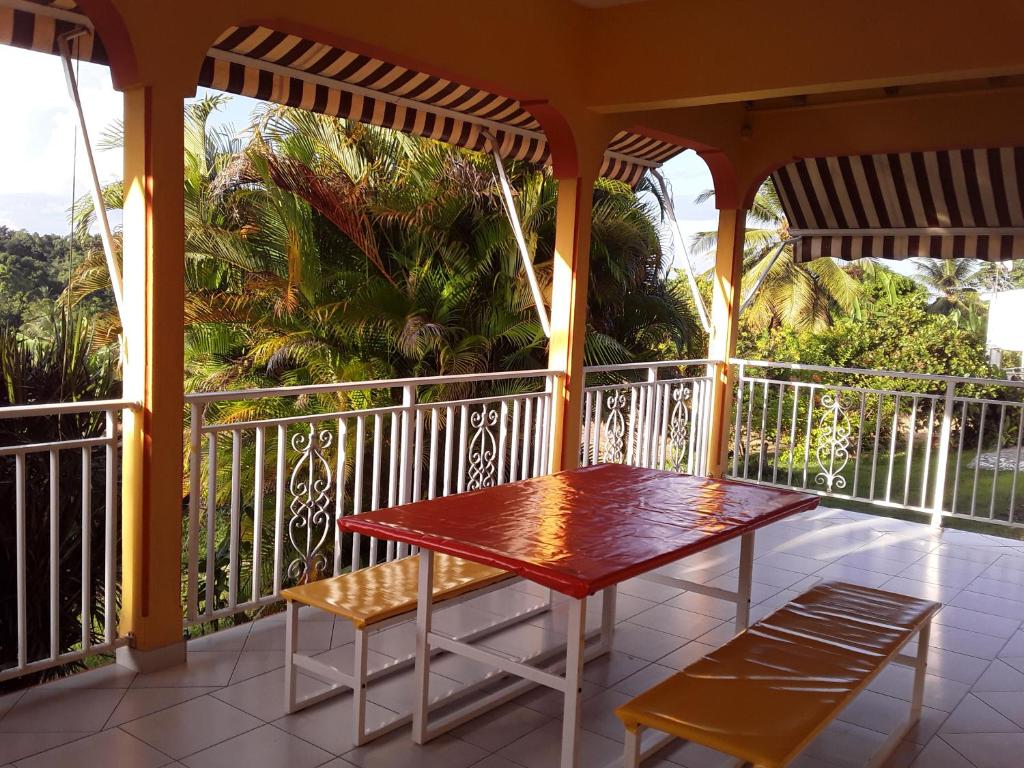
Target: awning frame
<point>99,205</point>
<point>517,228</point>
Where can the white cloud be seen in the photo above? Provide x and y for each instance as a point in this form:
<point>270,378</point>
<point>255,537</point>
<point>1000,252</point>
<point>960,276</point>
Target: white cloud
<point>688,176</point>
<point>37,137</point>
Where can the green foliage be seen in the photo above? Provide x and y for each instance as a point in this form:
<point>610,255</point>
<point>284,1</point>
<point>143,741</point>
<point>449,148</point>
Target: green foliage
<point>894,331</point>
<point>34,271</point>
<point>323,250</point>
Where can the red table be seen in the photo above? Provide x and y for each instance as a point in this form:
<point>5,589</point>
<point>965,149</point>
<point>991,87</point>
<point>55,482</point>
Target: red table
<point>578,532</point>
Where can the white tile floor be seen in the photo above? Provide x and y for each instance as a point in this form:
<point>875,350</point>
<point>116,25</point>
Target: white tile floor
<point>224,707</point>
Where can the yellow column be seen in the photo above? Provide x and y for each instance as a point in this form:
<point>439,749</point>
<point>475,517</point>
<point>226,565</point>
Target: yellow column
<point>725,315</point>
<point>154,375</point>
<point>569,316</point>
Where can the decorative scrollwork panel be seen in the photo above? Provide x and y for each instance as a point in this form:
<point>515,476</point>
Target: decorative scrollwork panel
<point>310,489</point>
<point>615,426</point>
<point>832,446</point>
<point>483,448</point>
<point>678,428</point>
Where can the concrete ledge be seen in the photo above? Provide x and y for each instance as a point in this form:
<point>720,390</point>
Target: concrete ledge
<point>153,660</point>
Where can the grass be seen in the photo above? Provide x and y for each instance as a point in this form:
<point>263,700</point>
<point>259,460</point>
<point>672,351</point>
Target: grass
<point>991,494</point>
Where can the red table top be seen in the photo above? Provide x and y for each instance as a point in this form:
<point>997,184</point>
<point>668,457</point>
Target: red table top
<point>582,530</point>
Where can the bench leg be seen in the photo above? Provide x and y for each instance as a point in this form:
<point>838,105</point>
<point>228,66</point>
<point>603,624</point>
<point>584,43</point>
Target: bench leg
<point>359,688</point>
<point>631,756</point>
<point>892,743</point>
<point>920,670</point>
<point>291,637</point>
<point>744,582</point>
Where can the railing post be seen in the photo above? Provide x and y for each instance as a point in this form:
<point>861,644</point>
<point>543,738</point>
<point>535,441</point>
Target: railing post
<point>942,460</point>
<point>739,424</point>
<point>648,456</point>
<point>551,386</point>
<point>405,473</point>
<point>195,484</point>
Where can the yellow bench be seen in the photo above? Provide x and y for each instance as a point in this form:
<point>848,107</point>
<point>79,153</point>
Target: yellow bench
<point>767,693</point>
<point>372,599</point>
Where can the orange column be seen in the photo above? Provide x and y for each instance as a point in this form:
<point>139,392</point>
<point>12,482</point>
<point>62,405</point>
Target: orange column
<point>154,376</point>
<point>725,315</point>
<point>569,316</point>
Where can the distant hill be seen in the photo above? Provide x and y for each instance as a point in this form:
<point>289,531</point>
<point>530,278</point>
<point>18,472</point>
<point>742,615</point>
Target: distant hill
<point>34,270</point>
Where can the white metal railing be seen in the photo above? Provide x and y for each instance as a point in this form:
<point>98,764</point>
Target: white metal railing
<point>941,444</point>
<point>61,497</point>
<point>652,415</point>
<point>266,487</point>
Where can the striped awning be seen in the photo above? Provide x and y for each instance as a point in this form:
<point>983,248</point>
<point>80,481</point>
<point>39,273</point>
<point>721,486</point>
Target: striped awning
<point>287,69</point>
<point>961,203</point>
<point>24,27</point>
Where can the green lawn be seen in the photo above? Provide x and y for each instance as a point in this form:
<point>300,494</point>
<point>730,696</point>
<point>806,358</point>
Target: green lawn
<point>981,486</point>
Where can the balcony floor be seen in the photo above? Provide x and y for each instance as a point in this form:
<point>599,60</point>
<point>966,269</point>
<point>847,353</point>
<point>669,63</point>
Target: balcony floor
<point>224,707</point>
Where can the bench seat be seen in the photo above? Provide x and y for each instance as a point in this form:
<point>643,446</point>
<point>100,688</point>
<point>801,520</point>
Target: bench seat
<point>767,693</point>
<point>380,592</point>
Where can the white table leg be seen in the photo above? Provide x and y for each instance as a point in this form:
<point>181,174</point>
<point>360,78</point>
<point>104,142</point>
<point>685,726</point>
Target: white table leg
<point>745,580</point>
<point>573,681</point>
<point>291,638</point>
<point>424,615</point>
<point>608,617</point>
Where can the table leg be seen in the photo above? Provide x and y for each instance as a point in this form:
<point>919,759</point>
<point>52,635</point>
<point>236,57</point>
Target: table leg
<point>424,616</point>
<point>745,580</point>
<point>573,681</point>
<point>608,618</point>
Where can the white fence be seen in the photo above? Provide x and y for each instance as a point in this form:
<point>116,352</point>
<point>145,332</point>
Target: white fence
<point>270,471</point>
<point>652,415</point>
<point>59,571</point>
<point>939,444</point>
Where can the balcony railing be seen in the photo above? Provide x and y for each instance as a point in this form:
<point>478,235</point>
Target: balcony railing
<point>59,533</point>
<point>270,470</point>
<point>266,488</point>
<point>939,444</point>
<point>653,415</point>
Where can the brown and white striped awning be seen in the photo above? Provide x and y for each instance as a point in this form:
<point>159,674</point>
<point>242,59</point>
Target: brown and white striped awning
<point>22,26</point>
<point>287,69</point>
<point>961,203</point>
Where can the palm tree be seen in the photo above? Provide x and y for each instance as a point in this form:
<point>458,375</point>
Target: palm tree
<point>955,285</point>
<point>326,250</point>
<point>799,296</point>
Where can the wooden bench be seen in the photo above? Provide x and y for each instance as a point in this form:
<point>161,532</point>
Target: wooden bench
<point>767,693</point>
<point>374,599</point>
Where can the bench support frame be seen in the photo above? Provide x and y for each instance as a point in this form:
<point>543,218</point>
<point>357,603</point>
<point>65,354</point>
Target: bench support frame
<point>340,682</point>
